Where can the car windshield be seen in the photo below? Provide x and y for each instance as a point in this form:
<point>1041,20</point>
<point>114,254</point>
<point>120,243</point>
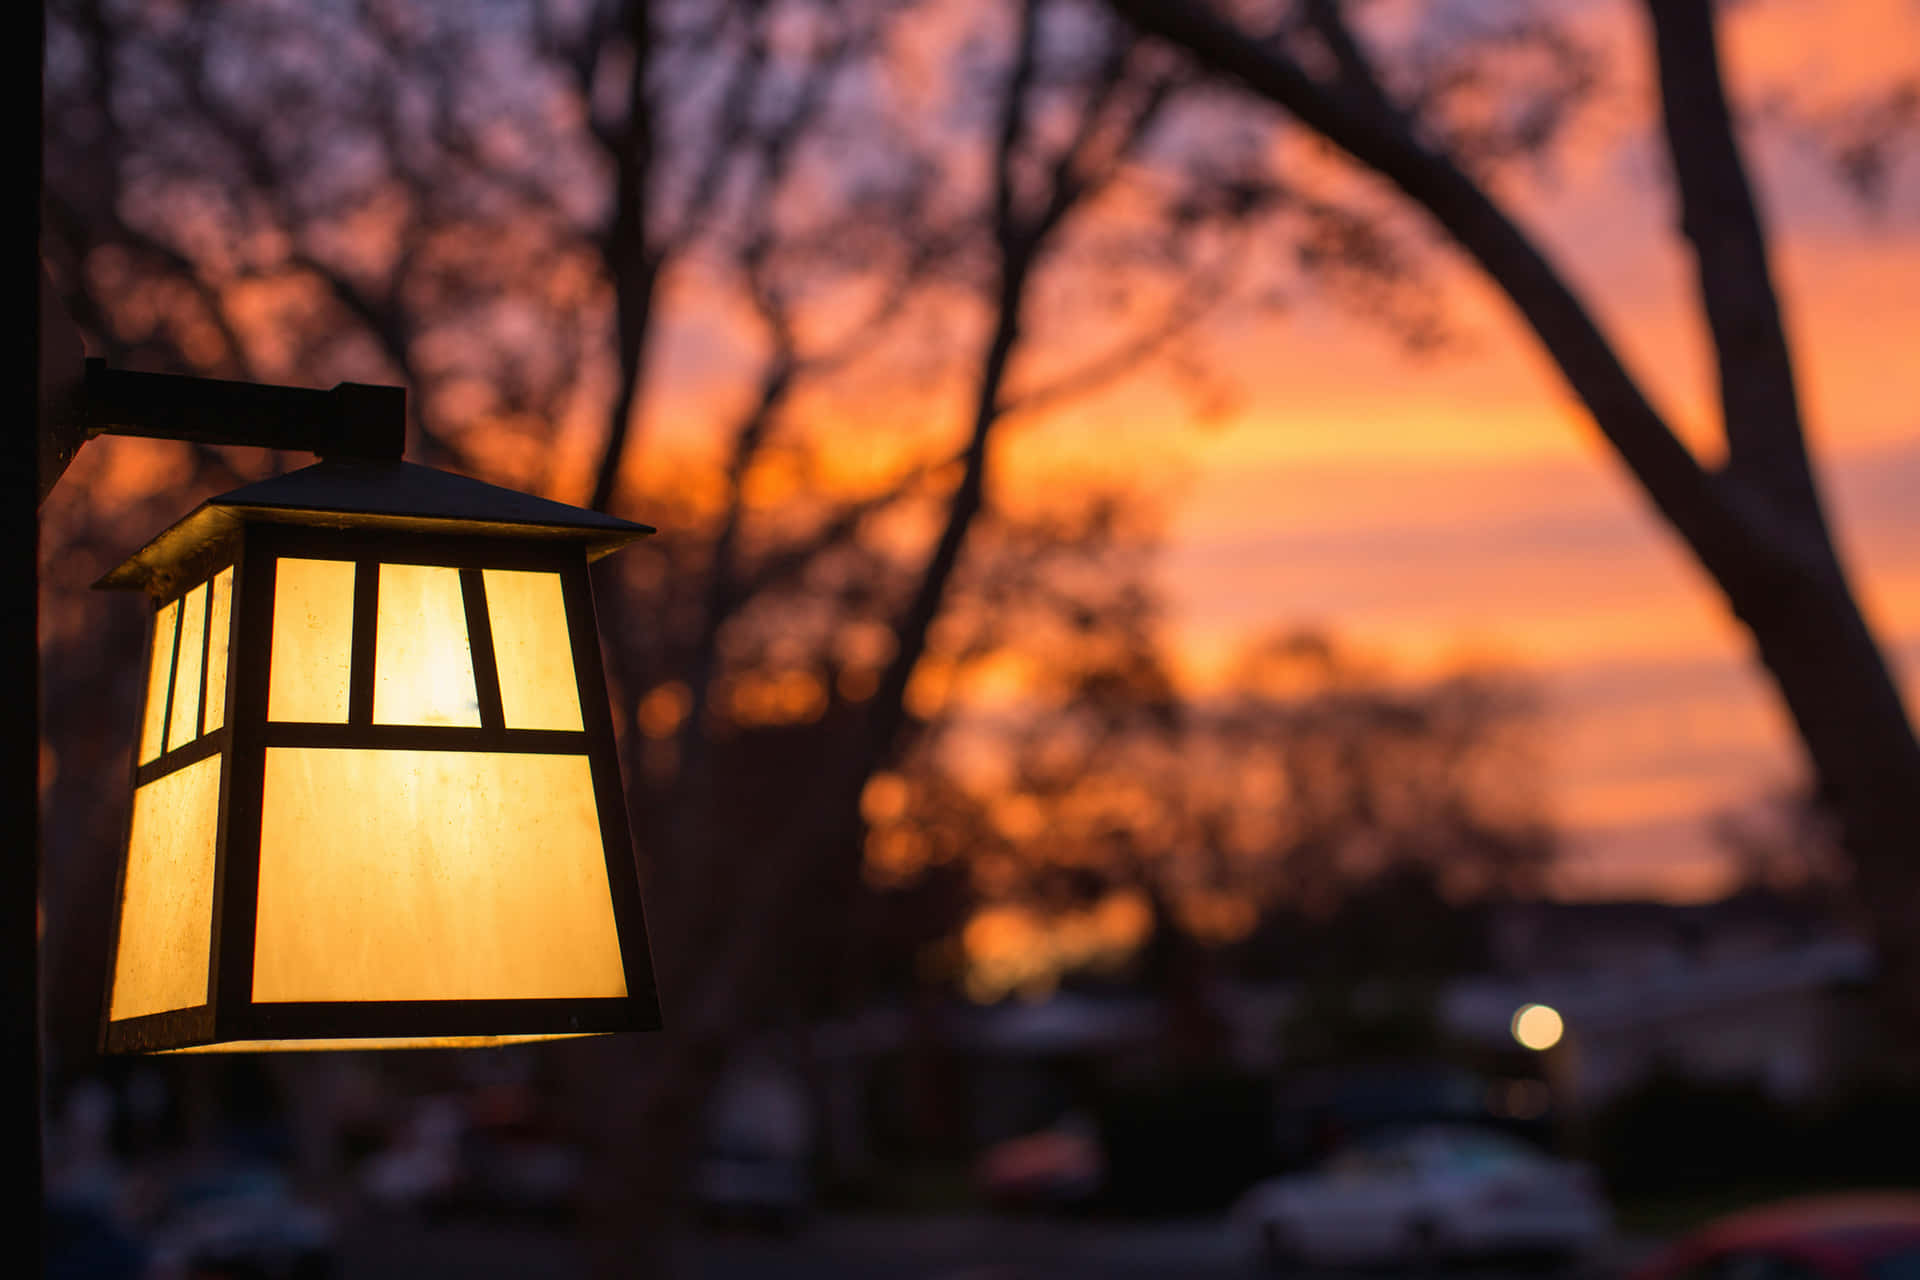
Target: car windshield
<point>1371,1161</point>
<point>1470,1149</point>
<point>228,1185</point>
<point>1454,1150</point>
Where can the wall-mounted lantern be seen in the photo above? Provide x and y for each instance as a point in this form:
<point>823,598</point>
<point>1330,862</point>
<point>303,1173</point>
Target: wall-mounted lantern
<point>376,799</point>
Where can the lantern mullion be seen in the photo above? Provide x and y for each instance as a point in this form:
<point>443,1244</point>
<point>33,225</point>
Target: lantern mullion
<point>205,623</point>
<point>366,623</point>
<point>179,608</point>
<point>207,744</point>
<point>622,871</point>
<point>183,704</point>
<point>428,737</point>
<point>237,873</point>
<point>486,669</point>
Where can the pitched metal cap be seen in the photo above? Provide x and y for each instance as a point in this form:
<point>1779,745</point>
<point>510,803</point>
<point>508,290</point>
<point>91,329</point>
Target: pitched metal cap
<point>342,493</point>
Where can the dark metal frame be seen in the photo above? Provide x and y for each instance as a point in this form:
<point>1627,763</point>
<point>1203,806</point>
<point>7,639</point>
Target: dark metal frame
<point>352,419</point>
<point>230,1013</point>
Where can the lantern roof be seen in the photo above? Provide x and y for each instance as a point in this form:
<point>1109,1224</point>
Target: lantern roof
<point>357,493</point>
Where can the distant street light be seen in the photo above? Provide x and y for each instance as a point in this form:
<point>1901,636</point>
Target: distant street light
<point>1538,1026</point>
<point>376,799</point>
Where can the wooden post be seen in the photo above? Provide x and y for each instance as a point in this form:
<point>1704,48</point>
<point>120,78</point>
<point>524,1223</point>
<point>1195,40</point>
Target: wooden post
<point>19,656</point>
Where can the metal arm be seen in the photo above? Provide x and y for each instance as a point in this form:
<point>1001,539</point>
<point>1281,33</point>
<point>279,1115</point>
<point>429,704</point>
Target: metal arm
<point>353,420</point>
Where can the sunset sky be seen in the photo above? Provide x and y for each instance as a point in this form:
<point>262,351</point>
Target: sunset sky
<point>1458,505</point>
<point>1452,506</point>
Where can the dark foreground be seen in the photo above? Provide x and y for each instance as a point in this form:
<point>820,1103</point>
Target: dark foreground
<point>946,1248</point>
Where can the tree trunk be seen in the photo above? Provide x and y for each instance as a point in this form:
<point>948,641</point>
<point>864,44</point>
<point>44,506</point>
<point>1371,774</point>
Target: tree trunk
<point>1791,591</point>
<point>1835,684</point>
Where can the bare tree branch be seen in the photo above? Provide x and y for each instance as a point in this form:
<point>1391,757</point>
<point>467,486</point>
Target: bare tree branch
<point>1198,295</point>
<point>1712,519</point>
<point>1765,442</point>
<point>632,261</point>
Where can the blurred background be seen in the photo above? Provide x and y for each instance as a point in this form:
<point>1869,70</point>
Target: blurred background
<point>1277,630</point>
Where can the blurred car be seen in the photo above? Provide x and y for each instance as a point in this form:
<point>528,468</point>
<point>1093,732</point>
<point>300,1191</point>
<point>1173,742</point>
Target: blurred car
<point>1060,1167</point>
<point>485,1156</point>
<point>80,1237</point>
<point>422,1170</point>
<point>756,1161</point>
<point>1862,1236</point>
<point>539,1180</point>
<point>1321,1109</point>
<point>1425,1194</point>
<point>241,1221</point>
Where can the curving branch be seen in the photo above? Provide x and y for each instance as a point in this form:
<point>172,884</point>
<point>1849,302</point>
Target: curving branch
<point>1721,527</point>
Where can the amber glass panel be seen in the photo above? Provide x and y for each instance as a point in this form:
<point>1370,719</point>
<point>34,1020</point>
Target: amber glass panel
<point>312,641</point>
<point>153,727</point>
<point>166,904</point>
<point>183,725</point>
<point>423,661</point>
<point>431,875</point>
<point>219,624</point>
<point>530,645</point>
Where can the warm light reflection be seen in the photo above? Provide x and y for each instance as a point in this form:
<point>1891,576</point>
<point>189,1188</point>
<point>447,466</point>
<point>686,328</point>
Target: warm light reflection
<point>1218,918</point>
<point>662,710</point>
<point>785,697</point>
<point>1011,949</point>
<point>1018,817</point>
<point>884,798</point>
<point>894,855</point>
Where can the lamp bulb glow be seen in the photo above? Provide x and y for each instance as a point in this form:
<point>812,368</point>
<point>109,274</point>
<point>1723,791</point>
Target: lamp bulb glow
<point>1538,1026</point>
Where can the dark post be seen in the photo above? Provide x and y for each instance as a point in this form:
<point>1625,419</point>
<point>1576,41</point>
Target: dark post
<point>19,661</point>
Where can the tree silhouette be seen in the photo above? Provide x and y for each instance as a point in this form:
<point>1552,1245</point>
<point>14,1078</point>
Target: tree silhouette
<point>1310,789</point>
<point>505,207</point>
<point>1756,522</point>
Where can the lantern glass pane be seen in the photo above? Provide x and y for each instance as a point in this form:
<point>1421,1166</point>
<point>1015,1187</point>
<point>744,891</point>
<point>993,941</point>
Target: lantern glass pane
<point>423,659</point>
<point>219,623</point>
<point>530,645</point>
<point>166,902</point>
<point>431,875</point>
<point>183,724</point>
<point>312,641</point>
<point>153,727</point>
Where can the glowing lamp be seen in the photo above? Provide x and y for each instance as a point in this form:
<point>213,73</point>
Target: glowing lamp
<point>376,800</point>
<point>1537,1026</point>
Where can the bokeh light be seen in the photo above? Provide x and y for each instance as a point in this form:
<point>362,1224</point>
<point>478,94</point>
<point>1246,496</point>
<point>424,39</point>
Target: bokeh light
<point>1538,1026</point>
